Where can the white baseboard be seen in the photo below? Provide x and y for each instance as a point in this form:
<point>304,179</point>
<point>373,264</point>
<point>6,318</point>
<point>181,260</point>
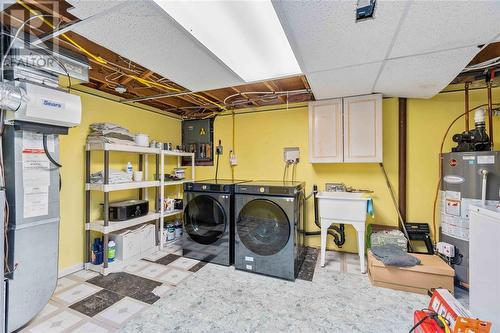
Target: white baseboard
<point>70,270</point>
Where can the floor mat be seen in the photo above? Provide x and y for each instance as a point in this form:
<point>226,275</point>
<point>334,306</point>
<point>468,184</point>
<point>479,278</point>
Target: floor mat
<point>306,271</point>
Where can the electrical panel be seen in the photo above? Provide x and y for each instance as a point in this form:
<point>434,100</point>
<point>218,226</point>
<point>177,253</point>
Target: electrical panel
<point>198,138</point>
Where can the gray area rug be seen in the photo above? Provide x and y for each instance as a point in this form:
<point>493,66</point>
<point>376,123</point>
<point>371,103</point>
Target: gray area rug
<point>222,299</point>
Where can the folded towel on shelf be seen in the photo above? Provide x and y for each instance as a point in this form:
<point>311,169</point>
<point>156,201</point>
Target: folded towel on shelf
<point>115,177</point>
<point>109,133</point>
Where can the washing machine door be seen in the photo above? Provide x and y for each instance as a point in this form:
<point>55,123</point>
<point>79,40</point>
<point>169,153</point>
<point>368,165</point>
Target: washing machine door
<point>263,227</point>
<point>205,219</point>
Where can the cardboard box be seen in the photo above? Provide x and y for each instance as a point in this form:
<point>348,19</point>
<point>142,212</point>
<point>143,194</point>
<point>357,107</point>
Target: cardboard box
<point>147,237</point>
<point>432,273</point>
<point>128,243</point>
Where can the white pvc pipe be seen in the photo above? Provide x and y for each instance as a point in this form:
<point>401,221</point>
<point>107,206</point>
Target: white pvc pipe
<point>483,187</point>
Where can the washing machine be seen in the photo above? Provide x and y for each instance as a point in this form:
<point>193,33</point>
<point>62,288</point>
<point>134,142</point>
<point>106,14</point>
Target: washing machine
<point>269,228</point>
<point>209,221</point>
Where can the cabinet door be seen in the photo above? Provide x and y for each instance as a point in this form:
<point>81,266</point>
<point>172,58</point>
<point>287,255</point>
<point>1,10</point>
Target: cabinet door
<point>325,131</point>
<point>363,129</point>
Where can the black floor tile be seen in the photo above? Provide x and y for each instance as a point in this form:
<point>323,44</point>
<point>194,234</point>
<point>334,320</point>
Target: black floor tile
<point>96,303</point>
<point>306,271</point>
<point>167,259</point>
<point>198,266</point>
<point>129,285</point>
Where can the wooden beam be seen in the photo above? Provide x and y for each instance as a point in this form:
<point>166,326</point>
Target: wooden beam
<point>144,75</point>
<point>243,94</point>
<point>489,52</point>
<point>44,7</point>
<point>304,81</point>
<point>271,85</point>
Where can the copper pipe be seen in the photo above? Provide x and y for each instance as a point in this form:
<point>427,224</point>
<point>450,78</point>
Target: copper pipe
<point>490,114</point>
<point>466,91</point>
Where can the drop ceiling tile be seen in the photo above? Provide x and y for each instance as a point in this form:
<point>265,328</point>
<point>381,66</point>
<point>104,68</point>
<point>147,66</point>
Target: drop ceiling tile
<point>84,9</point>
<point>422,76</point>
<point>145,34</point>
<point>431,26</point>
<point>324,34</point>
<point>349,81</point>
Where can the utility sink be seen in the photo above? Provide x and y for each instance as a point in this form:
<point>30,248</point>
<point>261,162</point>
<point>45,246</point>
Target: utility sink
<point>341,194</point>
<point>342,206</point>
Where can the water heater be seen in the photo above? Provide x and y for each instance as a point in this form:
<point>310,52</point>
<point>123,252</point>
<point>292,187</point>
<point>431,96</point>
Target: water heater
<point>468,178</point>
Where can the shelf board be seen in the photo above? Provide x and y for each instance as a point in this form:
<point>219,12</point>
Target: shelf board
<point>175,212</point>
<point>177,153</point>
<point>119,225</point>
<point>176,182</point>
<point>121,186</point>
<point>118,265</point>
<point>122,148</point>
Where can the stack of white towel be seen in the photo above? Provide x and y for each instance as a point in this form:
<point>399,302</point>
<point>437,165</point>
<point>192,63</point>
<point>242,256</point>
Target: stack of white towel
<point>109,133</point>
<point>115,177</point>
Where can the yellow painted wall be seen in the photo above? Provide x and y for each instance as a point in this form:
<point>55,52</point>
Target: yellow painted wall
<point>259,142</point>
<point>427,122</point>
<point>260,139</point>
<point>96,109</point>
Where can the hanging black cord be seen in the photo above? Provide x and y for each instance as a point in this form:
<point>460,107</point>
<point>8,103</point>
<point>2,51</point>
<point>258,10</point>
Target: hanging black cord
<point>217,166</point>
<point>46,150</point>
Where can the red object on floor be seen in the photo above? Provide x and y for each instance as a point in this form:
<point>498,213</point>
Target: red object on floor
<point>429,325</point>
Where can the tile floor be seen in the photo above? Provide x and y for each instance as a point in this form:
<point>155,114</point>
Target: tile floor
<point>90,303</point>
<point>166,292</point>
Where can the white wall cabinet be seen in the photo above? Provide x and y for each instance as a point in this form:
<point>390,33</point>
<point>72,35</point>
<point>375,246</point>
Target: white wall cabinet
<point>347,130</point>
<point>325,131</point>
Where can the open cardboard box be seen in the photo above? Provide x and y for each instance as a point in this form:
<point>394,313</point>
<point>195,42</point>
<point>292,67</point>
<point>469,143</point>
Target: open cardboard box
<point>432,273</point>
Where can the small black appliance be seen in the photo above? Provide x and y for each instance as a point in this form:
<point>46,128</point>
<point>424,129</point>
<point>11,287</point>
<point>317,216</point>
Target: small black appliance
<point>128,209</point>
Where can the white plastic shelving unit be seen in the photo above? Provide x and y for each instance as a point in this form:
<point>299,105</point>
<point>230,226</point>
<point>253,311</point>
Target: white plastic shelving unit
<point>163,183</point>
<point>105,226</point>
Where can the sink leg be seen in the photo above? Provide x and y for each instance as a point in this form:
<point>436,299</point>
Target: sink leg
<point>360,230</point>
<point>324,233</point>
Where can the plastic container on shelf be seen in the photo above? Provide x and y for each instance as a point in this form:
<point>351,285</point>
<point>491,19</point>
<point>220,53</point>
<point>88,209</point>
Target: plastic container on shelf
<point>111,251</point>
<point>170,234</point>
<point>178,229</point>
<point>97,252</point>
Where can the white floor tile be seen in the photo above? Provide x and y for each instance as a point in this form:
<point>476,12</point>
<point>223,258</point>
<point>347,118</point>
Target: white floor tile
<point>136,266</point>
<point>84,275</point>
<point>174,276</point>
<point>64,283</point>
<point>49,309</point>
<point>184,263</point>
<point>56,324</point>
<point>161,291</point>
<point>121,311</point>
<point>151,271</point>
<point>75,293</point>
<point>91,327</point>
<point>155,256</point>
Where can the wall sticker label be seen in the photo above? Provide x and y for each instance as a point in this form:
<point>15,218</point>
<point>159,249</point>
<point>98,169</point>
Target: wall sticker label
<point>487,159</point>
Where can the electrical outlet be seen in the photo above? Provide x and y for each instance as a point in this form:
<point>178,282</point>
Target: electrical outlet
<point>291,154</point>
<point>219,150</point>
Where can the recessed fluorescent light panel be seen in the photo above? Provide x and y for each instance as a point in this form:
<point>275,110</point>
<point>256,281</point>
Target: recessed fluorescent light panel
<point>246,35</point>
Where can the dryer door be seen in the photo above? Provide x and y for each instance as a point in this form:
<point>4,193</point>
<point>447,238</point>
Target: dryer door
<point>263,227</point>
<point>204,219</point>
